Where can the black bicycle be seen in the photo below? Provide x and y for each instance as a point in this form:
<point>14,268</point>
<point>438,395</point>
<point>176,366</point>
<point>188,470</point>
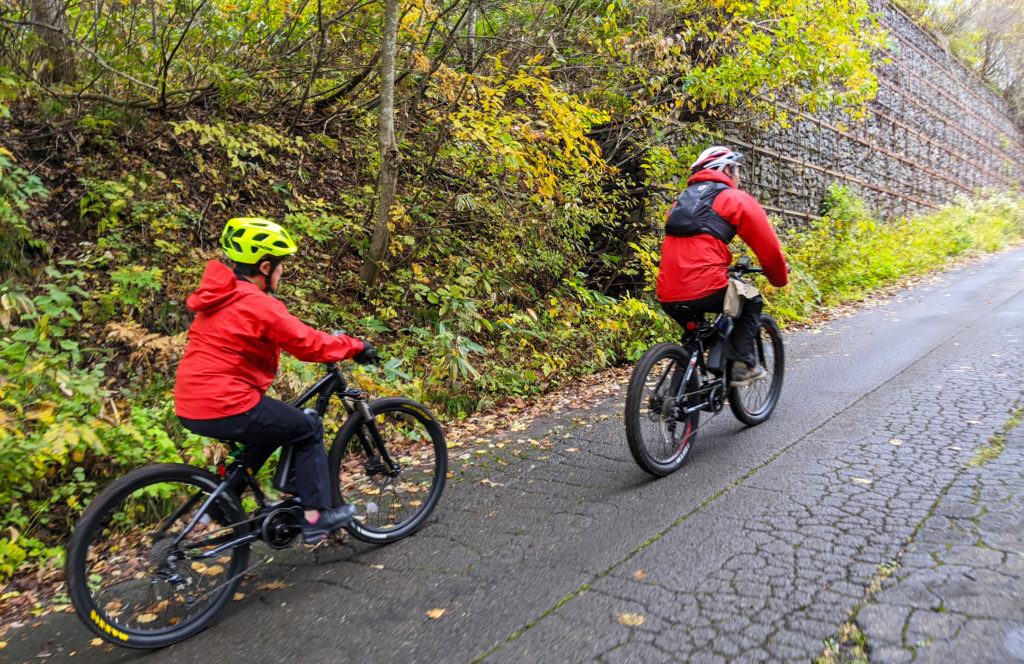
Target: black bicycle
<point>673,383</point>
<point>160,551</point>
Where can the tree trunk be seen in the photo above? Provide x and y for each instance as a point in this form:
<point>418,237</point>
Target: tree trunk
<point>51,25</point>
<point>387,183</point>
<point>471,18</point>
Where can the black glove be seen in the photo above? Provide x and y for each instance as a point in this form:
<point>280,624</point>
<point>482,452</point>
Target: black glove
<point>367,355</point>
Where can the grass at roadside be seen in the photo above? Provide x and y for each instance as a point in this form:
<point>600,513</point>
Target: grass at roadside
<point>847,254</point>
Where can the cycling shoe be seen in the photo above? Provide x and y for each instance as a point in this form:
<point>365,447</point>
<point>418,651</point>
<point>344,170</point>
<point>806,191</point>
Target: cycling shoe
<point>742,375</point>
<point>330,520</point>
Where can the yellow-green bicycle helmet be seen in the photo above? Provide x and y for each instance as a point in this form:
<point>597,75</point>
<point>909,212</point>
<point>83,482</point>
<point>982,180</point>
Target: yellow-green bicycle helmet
<point>248,239</point>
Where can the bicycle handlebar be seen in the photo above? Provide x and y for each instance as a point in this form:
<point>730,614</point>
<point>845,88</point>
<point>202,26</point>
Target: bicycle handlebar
<point>742,266</point>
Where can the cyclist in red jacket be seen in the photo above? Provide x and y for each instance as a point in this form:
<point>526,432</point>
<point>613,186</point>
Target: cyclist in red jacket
<point>695,256</point>
<point>231,358</point>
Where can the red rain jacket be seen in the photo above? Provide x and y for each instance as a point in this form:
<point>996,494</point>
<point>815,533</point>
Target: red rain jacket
<point>234,345</point>
<point>697,266</point>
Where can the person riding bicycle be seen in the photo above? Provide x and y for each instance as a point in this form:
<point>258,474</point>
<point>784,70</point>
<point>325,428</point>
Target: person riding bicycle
<point>695,257</point>
<point>231,358</point>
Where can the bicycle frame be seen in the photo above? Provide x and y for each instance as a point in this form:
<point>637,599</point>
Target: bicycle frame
<point>695,342</point>
<point>333,383</point>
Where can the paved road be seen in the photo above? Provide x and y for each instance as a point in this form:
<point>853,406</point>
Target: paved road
<point>757,550</point>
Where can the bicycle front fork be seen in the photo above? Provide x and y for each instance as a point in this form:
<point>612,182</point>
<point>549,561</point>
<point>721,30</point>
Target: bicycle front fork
<point>375,445</point>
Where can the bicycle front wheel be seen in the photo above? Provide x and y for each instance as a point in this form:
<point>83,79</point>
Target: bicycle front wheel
<point>754,403</point>
<point>392,469</point>
<point>137,575</point>
<point>659,431</point>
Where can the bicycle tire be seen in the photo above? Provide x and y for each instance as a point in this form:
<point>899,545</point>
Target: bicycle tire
<point>658,439</point>
<point>754,403</point>
<point>123,580</point>
<point>390,506</point>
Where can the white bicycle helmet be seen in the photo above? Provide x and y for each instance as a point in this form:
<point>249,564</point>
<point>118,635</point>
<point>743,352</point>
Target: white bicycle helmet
<point>716,158</point>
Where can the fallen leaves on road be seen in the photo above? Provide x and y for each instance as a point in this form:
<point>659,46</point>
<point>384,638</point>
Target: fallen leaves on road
<point>517,413</point>
<point>631,619</point>
<point>640,575</point>
<point>272,585</point>
<point>434,614</point>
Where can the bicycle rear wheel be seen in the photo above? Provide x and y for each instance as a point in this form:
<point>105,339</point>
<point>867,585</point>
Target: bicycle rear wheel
<point>394,489</point>
<point>130,582</point>
<point>660,434</point>
<point>754,403</point>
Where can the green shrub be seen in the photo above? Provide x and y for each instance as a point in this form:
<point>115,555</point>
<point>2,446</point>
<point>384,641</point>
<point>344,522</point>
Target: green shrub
<point>62,432</point>
<point>17,189</point>
<point>846,254</point>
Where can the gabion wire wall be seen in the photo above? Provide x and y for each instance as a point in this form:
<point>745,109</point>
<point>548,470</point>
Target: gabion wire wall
<point>935,130</point>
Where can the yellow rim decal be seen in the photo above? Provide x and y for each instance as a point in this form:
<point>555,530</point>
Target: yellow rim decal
<point>417,410</point>
<point>107,628</point>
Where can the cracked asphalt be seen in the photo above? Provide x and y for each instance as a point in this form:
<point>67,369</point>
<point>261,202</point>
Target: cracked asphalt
<point>857,501</point>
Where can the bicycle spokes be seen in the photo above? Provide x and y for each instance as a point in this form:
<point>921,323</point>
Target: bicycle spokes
<point>663,406</point>
<point>143,574</point>
<point>389,492</point>
<point>392,469</point>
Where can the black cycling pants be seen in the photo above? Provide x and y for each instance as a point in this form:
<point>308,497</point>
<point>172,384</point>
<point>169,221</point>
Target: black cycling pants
<point>740,344</point>
<point>264,428</point>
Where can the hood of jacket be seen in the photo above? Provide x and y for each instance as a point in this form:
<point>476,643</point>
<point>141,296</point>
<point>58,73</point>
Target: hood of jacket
<point>711,175</point>
<point>218,287</point>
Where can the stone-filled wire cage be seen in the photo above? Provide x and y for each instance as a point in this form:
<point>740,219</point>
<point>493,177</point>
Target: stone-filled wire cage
<point>934,131</point>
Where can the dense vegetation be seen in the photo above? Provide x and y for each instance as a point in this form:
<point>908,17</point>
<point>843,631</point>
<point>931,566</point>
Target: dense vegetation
<point>535,140</point>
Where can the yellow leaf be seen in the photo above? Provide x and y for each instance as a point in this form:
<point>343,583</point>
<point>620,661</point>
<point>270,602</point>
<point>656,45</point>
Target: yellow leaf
<point>146,618</point>
<point>631,619</point>
<point>434,614</point>
<point>96,642</point>
<point>238,597</point>
<point>272,585</point>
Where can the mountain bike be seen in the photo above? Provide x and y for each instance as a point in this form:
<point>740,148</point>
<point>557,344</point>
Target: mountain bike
<point>159,552</point>
<point>673,383</point>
